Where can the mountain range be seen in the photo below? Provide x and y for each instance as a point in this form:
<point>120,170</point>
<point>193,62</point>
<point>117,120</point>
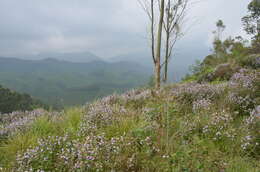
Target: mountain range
<point>62,79</point>
<point>62,83</point>
<point>77,57</point>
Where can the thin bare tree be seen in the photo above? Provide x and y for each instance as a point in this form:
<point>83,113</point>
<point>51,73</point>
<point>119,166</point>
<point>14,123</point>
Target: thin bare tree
<point>166,17</point>
<point>150,7</point>
<point>159,46</point>
<point>174,16</point>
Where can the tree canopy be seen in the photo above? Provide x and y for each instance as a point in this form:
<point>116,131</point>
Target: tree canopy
<point>12,101</point>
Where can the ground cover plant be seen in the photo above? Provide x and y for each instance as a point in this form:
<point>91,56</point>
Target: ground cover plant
<point>190,126</point>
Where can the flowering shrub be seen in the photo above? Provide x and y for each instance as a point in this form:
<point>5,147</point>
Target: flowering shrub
<point>104,112</point>
<point>241,104</point>
<point>219,123</point>
<point>244,78</point>
<point>242,95</point>
<point>250,134</point>
<point>211,125</point>
<point>94,153</point>
<point>17,121</point>
<point>252,61</point>
<point>200,126</point>
<point>256,112</point>
<point>109,99</point>
<point>201,104</point>
<point>42,156</point>
<point>135,95</point>
<point>197,94</point>
<point>220,127</point>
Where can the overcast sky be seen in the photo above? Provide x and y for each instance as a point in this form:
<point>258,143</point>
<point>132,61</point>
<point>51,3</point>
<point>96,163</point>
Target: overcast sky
<point>104,27</point>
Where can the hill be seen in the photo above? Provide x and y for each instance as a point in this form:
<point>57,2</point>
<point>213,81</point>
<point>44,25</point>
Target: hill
<point>60,83</point>
<point>11,101</point>
<point>208,122</point>
<point>179,63</point>
<point>80,57</point>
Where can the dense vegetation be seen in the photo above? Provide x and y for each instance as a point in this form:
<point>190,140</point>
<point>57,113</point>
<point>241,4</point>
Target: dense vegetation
<point>12,101</point>
<point>62,83</point>
<point>209,122</point>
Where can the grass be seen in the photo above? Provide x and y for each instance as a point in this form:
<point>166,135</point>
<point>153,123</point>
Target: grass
<point>199,153</point>
<point>13,145</point>
<point>160,132</point>
<point>41,128</point>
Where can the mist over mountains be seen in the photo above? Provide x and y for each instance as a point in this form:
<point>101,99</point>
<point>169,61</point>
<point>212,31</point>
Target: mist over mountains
<point>179,64</point>
<point>64,79</point>
<point>80,57</point>
<point>61,83</point>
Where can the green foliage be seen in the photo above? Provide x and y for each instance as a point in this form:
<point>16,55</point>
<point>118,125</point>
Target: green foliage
<point>250,21</point>
<point>251,61</point>
<point>220,28</point>
<point>190,126</point>
<point>42,128</point>
<point>184,127</point>
<point>198,70</point>
<point>12,101</point>
<point>232,53</point>
<point>162,132</point>
<point>251,24</point>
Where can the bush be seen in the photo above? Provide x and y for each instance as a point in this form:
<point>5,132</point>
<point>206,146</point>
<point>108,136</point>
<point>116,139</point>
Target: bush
<point>252,61</point>
<point>12,101</point>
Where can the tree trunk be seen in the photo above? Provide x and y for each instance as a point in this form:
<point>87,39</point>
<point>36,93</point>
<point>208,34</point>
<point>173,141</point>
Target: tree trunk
<point>152,29</point>
<point>165,78</point>
<point>258,27</point>
<point>167,56</point>
<point>158,48</point>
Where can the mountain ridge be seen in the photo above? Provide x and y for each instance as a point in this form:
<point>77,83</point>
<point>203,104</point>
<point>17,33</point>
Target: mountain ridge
<point>50,79</point>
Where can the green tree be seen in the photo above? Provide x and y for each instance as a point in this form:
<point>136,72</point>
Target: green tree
<point>251,24</point>
<point>220,29</point>
<point>218,46</point>
<point>12,101</point>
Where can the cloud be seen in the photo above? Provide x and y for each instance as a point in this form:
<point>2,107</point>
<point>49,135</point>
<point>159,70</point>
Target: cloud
<point>104,27</point>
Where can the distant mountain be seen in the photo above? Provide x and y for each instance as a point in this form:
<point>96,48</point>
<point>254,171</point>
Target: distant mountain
<point>179,63</point>
<point>140,58</point>
<point>66,83</point>
<point>177,69</point>
<point>12,101</point>
<point>81,57</point>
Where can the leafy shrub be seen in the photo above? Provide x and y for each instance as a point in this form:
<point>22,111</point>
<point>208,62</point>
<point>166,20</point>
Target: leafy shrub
<point>12,101</point>
<point>242,96</point>
<point>194,93</point>
<point>18,121</point>
<point>252,61</point>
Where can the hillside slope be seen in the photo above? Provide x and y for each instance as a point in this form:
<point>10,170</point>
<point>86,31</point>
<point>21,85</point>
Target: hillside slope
<point>62,83</point>
<point>81,57</point>
<point>210,122</point>
<point>12,101</point>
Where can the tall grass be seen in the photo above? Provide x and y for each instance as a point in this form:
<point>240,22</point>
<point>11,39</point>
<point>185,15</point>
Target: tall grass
<point>43,127</point>
<point>185,127</point>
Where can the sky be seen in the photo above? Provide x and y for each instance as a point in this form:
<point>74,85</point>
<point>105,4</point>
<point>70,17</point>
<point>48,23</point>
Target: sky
<point>106,28</point>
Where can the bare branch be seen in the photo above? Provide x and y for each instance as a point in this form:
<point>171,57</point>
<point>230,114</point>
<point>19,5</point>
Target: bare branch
<point>148,8</point>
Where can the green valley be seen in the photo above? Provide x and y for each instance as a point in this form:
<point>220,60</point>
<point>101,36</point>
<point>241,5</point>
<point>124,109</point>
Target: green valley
<point>62,83</point>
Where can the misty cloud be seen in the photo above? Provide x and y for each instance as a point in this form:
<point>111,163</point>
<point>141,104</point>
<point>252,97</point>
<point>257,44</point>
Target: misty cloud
<point>104,27</point>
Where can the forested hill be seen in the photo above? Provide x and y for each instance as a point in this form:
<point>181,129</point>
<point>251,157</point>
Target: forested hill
<point>12,101</point>
<point>61,83</point>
